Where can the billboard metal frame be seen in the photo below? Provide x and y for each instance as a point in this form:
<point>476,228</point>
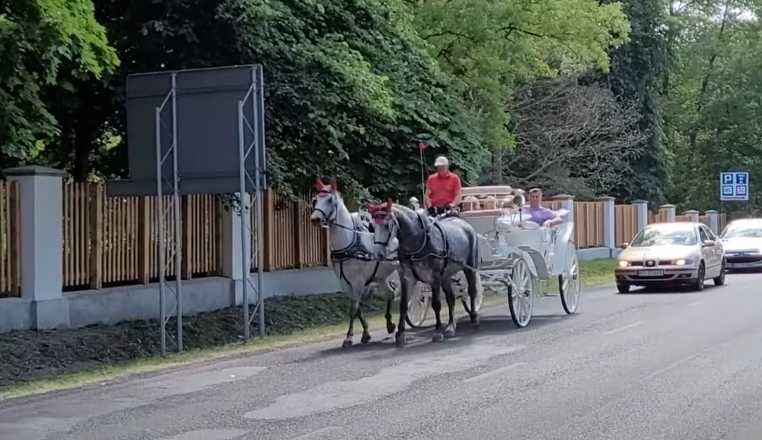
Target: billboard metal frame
<point>169,249</point>
<point>169,182</point>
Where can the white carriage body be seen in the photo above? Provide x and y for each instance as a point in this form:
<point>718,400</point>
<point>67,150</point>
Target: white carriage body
<point>504,235</point>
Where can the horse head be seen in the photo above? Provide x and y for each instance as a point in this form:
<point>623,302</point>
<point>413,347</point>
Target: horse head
<point>325,203</point>
<point>385,229</point>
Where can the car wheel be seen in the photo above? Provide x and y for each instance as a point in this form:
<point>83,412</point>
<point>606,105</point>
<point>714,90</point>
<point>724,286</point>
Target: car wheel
<point>720,280</point>
<point>698,283</point>
<point>623,288</point>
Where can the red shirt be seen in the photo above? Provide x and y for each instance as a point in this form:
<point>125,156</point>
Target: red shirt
<point>443,189</point>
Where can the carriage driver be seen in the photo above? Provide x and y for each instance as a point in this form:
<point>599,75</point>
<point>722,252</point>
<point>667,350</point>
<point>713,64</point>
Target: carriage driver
<point>540,214</point>
<point>442,188</point>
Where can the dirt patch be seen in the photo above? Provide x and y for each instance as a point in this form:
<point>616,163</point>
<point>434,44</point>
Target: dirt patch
<point>28,355</point>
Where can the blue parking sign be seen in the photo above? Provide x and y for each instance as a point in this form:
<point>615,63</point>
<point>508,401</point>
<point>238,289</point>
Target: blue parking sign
<point>734,186</point>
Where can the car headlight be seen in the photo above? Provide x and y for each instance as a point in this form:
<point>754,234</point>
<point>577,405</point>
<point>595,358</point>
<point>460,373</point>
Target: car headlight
<point>623,264</point>
<point>684,262</point>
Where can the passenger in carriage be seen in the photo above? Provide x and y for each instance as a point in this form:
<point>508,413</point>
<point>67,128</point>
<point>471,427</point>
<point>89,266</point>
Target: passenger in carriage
<point>539,214</point>
<point>443,189</point>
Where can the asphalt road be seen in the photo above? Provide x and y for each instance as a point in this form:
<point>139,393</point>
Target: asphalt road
<point>638,366</point>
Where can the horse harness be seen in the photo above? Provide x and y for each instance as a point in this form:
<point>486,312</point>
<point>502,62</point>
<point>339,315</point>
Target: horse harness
<point>424,250</point>
<point>354,251</point>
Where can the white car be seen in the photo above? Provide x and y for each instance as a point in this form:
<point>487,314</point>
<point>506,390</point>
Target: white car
<point>742,240</point>
<point>671,253</point>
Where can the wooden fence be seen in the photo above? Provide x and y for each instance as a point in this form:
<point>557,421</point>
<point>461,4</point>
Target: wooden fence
<point>659,216</point>
<point>625,223</point>
<point>588,220</point>
<point>114,240</point>
<point>10,272</point>
<point>290,240</point>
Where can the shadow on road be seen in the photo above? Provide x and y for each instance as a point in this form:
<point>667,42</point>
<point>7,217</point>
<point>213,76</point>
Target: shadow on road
<point>419,340</point>
<point>671,290</point>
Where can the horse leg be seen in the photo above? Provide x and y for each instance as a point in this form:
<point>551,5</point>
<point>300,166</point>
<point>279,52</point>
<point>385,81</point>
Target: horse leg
<point>354,309</point>
<point>436,304</point>
<point>474,284</point>
<point>390,327</point>
<point>405,287</point>
<point>365,333</point>
<point>450,330</point>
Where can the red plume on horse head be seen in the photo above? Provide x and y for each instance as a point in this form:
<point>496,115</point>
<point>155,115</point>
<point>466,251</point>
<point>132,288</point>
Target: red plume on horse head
<point>319,185</point>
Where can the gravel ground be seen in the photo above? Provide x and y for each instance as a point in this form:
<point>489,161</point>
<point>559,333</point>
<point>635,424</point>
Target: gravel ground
<point>28,355</point>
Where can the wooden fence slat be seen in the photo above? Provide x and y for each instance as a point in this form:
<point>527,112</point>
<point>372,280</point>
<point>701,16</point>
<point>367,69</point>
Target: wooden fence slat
<point>96,236</point>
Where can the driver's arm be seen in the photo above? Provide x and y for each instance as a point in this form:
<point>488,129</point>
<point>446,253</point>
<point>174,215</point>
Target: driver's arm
<point>458,194</point>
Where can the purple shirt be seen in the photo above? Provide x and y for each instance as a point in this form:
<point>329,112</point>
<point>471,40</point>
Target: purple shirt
<point>540,215</point>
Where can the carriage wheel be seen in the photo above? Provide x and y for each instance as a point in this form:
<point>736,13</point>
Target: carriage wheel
<point>521,294</point>
<point>570,283</point>
<point>418,305</point>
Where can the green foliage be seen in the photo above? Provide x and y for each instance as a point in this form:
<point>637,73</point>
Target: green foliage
<point>637,76</point>
<point>714,98</point>
<point>496,46</point>
<point>42,44</point>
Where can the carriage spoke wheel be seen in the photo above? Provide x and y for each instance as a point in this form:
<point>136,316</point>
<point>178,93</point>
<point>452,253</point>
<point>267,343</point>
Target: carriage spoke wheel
<point>418,305</point>
<point>521,294</point>
<point>570,284</point>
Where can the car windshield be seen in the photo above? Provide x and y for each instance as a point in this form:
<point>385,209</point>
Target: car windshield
<point>743,231</point>
<point>665,237</point>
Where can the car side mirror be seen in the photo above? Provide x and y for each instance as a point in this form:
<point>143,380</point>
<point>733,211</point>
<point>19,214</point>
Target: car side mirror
<point>708,243</point>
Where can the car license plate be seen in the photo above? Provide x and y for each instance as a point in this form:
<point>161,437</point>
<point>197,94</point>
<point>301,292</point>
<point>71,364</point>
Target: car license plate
<point>650,273</point>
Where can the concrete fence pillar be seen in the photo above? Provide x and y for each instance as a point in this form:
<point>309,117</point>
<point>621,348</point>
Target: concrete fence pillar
<point>713,219</point>
<point>41,243</point>
<point>693,215</point>
<point>567,203</point>
<point>609,233</point>
<point>669,212</point>
<point>232,255</point>
<point>641,214</point>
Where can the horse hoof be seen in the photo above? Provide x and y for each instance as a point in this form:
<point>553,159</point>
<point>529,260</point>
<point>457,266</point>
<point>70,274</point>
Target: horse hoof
<point>347,343</point>
<point>437,337</point>
<point>475,320</point>
<point>400,340</point>
<point>449,332</point>
<point>390,328</point>
<point>365,339</point>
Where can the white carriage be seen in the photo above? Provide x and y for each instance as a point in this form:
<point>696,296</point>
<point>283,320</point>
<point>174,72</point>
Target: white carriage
<point>516,254</point>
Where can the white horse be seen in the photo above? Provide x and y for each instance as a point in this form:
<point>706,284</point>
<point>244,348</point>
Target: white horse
<point>352,254</point>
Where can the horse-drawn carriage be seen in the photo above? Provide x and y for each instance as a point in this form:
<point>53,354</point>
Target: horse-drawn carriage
<point>489,245</point>
<point>516,254</point>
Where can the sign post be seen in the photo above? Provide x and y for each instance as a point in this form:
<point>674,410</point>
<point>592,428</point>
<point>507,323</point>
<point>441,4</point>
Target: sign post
<point>734,186</point>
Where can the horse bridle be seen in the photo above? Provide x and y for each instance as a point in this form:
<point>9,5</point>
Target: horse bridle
<point>395,225</point>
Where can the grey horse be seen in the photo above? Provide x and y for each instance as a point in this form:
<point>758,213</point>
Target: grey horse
<point>430,251</point>
<point>352,255</point>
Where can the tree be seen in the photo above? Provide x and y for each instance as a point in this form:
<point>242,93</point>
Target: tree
<point>494,47</point>
<point>638,72</point>
<point>349,89</point>
<point>44,44</point>
<point>573,136</point>
<point>714,98</point>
